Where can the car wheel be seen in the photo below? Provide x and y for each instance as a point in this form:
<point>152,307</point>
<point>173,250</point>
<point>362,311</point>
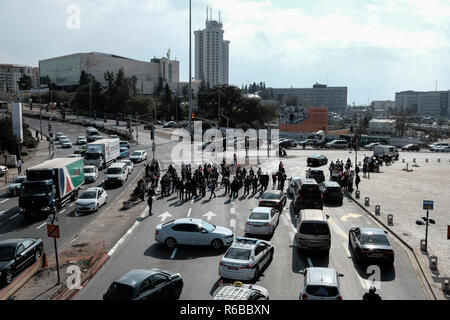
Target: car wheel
<point>255,277</point>
<point>177,292</point>
<point>217,244</point>
<point>9,276</point>
<point>170,243</point>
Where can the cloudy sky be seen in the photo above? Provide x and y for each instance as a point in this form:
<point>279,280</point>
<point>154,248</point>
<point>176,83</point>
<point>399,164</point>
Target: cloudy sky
<point>375,48</point>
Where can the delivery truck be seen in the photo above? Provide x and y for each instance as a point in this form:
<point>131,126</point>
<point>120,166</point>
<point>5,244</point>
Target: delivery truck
<point>382,151</point>
<point>102,152</point>
<point>50,185</point>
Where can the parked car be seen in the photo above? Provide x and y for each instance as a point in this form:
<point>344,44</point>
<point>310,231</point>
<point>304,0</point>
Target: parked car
<point>125,144</point>
<point>169,124</point>
<point>240,291</point>
<point>433,146</point>
<point>321,284</point>
<point>372,145</point>
<point>16,255</point>
<point>3,170</point>
<point>331,191</point>
<point>370,245</point>
<point>140,284</point>
<point>287,143</point>
<point>337,144</point>
<point>129,164</point>
<point>316,160</point>
<point>138,156</point>
<point>262,220</point>
<point>62,137</point>
<point>90,173</point>
<point>14,188</point>
<point>411,147</point>
<point>445,149</point>
<point>160,122</point>
<point>316,174</point>
<point>189,231</point>
<point>81,140</point>
<point>124,152</point>
<point>58,135</point>
<point>91,199</point>
<point>245,258</point>
<point>308,142</point>
<point>273,198</point>
<point>440,148</point>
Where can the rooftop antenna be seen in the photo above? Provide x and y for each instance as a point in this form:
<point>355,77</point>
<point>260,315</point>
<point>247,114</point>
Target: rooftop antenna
<point>220,19</point>
<point>206,13</point>
<point>210,13</point>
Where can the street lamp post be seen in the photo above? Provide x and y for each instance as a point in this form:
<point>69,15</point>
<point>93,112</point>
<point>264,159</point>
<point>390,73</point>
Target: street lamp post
<point>190,69</point>
<point>90,98</point>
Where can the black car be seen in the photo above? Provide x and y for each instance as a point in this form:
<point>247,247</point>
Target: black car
<point>316,160</point>
<point>411,147</point>
<point>370,245</point>
<point>331,191</point>
<point>307,195</point>
<point>141,284</point>
<point>316,174</point>
<point>273,198</point>
<point>16,255</point>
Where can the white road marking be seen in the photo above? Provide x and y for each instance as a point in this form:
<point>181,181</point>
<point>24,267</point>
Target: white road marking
<point>41,225</point>
<point>337,228</point>
<point>18,214</point>
<point>233,223</point>
<point>288,222</point>
<point>192,201</point>
<point>173,253</point>
<point>71,205</point>
<point>350,216</point>
<point>1,212</point>
<point>3,187</point>
<point>3,201</point>
<point>344,244</point>
<point>232,210</point>
<point>113,249</point>
<point>309,262</point>
<point>189,212</point>
<point>62,211</point>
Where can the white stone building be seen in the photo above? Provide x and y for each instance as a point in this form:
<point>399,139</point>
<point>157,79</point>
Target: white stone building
<point>382,127</point>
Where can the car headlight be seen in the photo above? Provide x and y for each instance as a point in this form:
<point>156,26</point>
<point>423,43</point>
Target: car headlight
<point>46,209</point>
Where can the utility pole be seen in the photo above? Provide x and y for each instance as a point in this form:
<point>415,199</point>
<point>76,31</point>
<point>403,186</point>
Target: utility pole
<point>137,134</point>
<point>190,71</point>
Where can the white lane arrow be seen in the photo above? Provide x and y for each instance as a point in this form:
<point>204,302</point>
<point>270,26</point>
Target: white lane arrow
<point>209,215</point>
<point>164,216</point>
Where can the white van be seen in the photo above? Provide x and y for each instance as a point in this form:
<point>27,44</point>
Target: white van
<point>117,173</point>
<point>313,231</point>
<point>382,151</point>
<point>91,133</point>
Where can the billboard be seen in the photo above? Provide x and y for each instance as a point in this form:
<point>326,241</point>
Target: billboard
<point>16,111</point>
<point>303,119</point>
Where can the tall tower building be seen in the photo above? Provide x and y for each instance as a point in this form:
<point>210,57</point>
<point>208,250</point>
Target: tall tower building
<point>211,52</point>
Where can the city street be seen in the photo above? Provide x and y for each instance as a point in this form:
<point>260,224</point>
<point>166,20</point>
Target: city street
<point>199,265</point>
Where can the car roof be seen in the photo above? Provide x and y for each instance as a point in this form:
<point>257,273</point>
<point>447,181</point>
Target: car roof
<point>15,241</point>
<point>262,209</point>
<point>188,220</point>
<point>315,169</point>
<point>331,184</point>
<point>138,151</point>
<point>136,276</point>
<point>321,276</point>
<point>116,165</point>
<point>238,291</point>
<point>272,192</point>
<point>90,167</point>
<point>371,231</point>
<point>245,243</point>
<point>315,155</point>
<point>307,180</point>
<point>93,189</point>
<point>312,215</point>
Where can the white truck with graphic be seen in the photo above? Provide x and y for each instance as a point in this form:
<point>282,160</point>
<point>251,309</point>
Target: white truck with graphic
<point>101,153</point>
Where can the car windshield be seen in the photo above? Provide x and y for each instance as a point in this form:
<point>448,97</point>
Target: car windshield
<point>314,228</point>
<point>377,239</point>
<point>34,190</point>
<point>334,189</point>
<point>136,153</point>
<point>91,155</point>
<point>208,226</point>
<point>271,196</point>
<point>123,149</point>
<point>89,170</point>
<point>81,137</point>
<point>6,253</point>
<point>90,194</point>
<point>114,171</point>
<point>19,179</point>
<point>120,291</point>
<point>259,216</point>
<point>322,291</point>
<point>238,254</point>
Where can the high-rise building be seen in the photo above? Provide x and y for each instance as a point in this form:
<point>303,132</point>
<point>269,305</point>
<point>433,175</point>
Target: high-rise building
<point>211,53</point>
<point>428,103</point>
<point>11,73</point>
<point>320,95</point>
<point>66,70</point>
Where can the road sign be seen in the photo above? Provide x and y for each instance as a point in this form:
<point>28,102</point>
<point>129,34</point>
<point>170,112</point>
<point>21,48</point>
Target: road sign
<point>428,204</point>
<point>53,230</point>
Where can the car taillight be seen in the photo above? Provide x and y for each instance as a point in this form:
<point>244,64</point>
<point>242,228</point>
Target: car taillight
<point>304,296</point>
<point>156,232</point>
<point>221,263</point>
<point>247,266</point>
<point>389,252</point>
<point>246,223</point>
<point>104,296</point>
<point>339,298</point>
<point>260,202</point>
<point>364,251</point>
<point>267,224</point>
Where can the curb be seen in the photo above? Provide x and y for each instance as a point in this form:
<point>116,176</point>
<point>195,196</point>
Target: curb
<point>399,239</point>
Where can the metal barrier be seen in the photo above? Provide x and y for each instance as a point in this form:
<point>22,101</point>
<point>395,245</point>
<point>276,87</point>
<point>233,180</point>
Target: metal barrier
<point>367,201</point>
<point>403,160</point>
<point>433,262</point>
<point>446,285</point>
<point>422,244</point>
<point>377,210</point>
<point>439,160</point>
<point>357,194</point>
<point>426,160</point>
<point>414,160</point>
<point>390,219</point>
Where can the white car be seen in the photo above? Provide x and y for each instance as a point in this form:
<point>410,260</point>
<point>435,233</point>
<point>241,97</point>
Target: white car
<point>65,143</point>
<point>436,145</point>
<point>440,148</point>
<point>321,284</point>
<point>262,220</point>
<point>138,156</point>
<point>14,188</point>
<point>59,135</point>
<point>292,182</point>
<point>3,170</point>
<point>337,144</point>
<point>444,149</point>
<point>129,165</point>
<point>114,136</point>
<point>91,199</point>
<point>245,258</point>
<point>90,173</point>
<point>81,140</point>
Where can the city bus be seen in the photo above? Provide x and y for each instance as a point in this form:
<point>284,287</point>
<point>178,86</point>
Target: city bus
<point>366,139</point>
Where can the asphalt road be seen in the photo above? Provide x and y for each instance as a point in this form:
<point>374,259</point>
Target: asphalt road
<point>199,265</point>
<point>15,225</point>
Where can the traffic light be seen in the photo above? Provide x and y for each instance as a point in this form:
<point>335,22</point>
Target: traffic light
<point>193,116</point>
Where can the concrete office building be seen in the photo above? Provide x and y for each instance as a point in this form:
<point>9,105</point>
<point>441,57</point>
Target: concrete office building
<point>429,103</point>
<point>380,108</point>
<point>211,53</point>
<point>11,73</point>
<point>320,95</point>
<point>66,70</point>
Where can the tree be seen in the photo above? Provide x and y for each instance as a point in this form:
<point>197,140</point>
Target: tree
<point>25,82</point>
<point>139,105</point>
<point>402,117</point>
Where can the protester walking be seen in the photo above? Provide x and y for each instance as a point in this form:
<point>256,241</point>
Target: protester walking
<point>19,166</point>
<point>151,194</point>
<point>357,181</point>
